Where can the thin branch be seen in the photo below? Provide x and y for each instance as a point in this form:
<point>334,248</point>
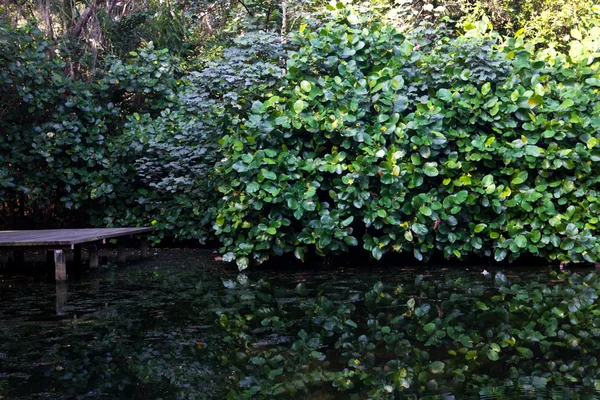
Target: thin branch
<point>208,10</point>
<point>283,22</point>
<point>267,19</point>
<point>294,22</point>
<point>247,9</point>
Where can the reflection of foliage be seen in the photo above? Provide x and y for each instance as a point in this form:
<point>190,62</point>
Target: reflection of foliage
<point>316,334</point>
<point>121,359</point>
<point>422,338</point>
<point>161,345</point>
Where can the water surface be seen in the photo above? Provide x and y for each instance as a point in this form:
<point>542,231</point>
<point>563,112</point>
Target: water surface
<point>166,329</point>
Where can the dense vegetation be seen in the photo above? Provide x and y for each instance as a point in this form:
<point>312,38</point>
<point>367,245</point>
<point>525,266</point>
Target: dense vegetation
<point>279,128</point>
<point>458,145</point>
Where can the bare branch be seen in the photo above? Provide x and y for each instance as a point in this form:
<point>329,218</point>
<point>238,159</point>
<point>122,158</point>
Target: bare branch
<point>247,9</point>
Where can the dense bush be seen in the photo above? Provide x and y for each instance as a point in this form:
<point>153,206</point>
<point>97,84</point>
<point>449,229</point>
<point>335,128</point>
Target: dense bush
<point>61,141</point>
<point>132,144</point>
<point>418,142</point>
<point>53,128</point>
<point>171,156</point>
<point>466,146</point>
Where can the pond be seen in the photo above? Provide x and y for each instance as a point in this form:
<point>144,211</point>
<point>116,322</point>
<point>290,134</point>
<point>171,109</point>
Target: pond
<point>183,326</point>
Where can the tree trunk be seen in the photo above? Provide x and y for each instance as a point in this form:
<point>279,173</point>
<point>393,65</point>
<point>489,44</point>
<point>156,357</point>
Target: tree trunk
<point>85,16</point>
<point>46,17</point>
<point>283,33</point>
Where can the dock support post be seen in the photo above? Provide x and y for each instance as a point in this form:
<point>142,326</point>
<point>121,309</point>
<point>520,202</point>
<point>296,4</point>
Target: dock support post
<point>144,247</point>
<point>60,266</point>
<point>121,252</point>
<point>77,256</point>
<point>61,297</point>
<point>95,284</point>
<point>93,255</point>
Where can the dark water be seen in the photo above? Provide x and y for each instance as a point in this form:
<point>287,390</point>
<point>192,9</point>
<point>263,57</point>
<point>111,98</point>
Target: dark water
<point>151,330</point>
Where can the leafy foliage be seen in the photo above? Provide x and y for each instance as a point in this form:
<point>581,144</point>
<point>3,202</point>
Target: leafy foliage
<point>150,131</point>
<point>548,23</point>
<point>53,128</point>
<point>172,155</point>
<point>62,144</point>
<point>418,142</point>
<point>464,146</point>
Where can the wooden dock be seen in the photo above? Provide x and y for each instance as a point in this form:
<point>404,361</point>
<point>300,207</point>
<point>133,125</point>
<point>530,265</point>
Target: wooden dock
<point>58,241</point>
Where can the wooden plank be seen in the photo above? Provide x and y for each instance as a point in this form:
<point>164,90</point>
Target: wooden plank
<point>64,237</point>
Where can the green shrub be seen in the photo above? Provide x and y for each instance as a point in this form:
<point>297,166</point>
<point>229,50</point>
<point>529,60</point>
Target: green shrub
<point>170,156</point>
<point>62,146</point>
<point>52,129</point>
<point>463,146</point>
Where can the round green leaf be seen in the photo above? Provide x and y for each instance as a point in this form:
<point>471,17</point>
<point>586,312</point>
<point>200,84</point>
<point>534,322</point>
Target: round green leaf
<point>437,367</point>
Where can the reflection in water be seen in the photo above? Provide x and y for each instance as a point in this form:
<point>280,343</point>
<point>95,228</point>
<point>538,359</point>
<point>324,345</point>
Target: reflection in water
<point>61,297</point>
<point>179,328</point>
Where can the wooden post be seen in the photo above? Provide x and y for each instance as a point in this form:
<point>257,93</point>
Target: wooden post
<point>60,266</point>
<point>144,247</point>
<point>61,297</point>
<point>93,251</point>
<point>77,256</point>
<point>121,252</point>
